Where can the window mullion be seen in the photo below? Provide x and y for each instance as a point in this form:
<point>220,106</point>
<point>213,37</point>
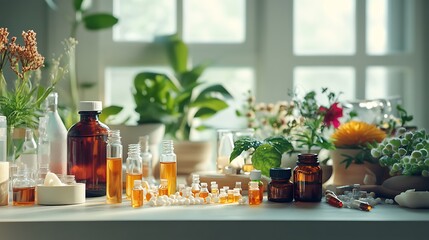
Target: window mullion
<point>179,17</point>
<point>360,38</point>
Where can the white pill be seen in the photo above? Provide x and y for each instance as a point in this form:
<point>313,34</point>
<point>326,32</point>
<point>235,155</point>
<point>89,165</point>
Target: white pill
<point>208,199</point>
<point>187,201</point>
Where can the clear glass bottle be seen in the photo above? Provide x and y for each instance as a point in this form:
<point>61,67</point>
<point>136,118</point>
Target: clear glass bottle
<point>238,185</point>
<point>87,149</point>
<point>114,167</point>
<point>146,160</point>
<point>44,151</point>
<point>255,176</point>
<point>57,135</point>
<point>225,147</point>
<point>137,194</point>
<point>254,196</point>
<point>23,187</point>
<point>307,178</point>
<point>134,168</point>
<point>237,195</point>
<point>223,196</point>
<point>29,153</point>
<point>204,192</point>
<point>214,189</point>
<point>195,186</point>
<point>280,189</point>
<point>182,189</point>
<point>168,168</point>
<point>163,187</point>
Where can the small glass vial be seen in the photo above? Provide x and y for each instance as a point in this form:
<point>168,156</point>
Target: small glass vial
<point>43,152</point>
<point>146,159</point>
<point>134,167</point>
<point>114,168</point>
<point>225,146</point>
<point>168,169</point>
<point>137,194</point>
<point>237,195</point>
<point>215,190</point>
<point>204,192</point>
<point>195,187</point>
<point>255,176</point>
<point>238,185</point>
<point>307,178</point>
<point>254,196</point>
<point>23,187</point>
<point>181,189</point>
<point>280,189</point>
<point>223,197</point>
<point>163,188</point>
<point>230,196</point>
<point>248,166</point>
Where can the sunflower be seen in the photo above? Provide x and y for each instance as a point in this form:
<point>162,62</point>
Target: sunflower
<point>357,134</point>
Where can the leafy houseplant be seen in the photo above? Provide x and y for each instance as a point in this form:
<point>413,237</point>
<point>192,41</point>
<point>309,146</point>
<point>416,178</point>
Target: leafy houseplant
<point>177,100</point>
<point>407,153</point>
<point>266,154</point>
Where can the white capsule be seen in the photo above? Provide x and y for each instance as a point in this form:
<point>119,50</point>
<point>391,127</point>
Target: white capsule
<point>215,199</point>
<point>372,194</point>
<point>177,194</point>
<point>187,201</point>
<point>192,200</point>
<point>152,203</point>
<point>378,200</point>
<point>173,196</point>
<point>208,200</point>
<point>160,202</point>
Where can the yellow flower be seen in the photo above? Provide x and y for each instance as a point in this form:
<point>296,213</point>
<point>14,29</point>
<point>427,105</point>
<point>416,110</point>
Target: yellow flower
<point>357,133</point>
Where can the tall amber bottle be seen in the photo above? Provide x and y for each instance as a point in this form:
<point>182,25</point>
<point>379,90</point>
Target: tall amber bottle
<point>86,149</point>
<point>114,168</point>
<point>168,168</point>
<point>307,178</point>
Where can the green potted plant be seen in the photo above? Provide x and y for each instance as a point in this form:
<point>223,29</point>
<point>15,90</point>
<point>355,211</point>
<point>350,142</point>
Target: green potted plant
<point>178,101</point>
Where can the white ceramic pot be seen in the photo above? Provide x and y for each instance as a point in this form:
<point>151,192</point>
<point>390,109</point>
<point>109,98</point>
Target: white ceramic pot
<point>355,173</point>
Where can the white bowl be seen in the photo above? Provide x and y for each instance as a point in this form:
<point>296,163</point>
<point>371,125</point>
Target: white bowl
<point>60,195</point>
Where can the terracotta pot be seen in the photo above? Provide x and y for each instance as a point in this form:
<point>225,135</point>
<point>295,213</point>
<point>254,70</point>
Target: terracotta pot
<point>355,173</point>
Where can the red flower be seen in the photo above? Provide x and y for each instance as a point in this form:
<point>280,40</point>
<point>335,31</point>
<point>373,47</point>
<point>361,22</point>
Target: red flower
<point>332,115</point>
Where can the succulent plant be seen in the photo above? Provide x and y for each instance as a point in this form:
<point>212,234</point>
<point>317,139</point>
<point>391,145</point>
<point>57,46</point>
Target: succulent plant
<point>407,153</point>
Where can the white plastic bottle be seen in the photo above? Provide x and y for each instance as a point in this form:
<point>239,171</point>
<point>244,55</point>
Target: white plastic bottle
<point>57,135</point>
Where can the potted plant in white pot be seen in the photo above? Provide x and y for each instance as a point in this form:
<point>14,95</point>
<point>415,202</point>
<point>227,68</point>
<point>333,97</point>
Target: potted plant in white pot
<point>177,101</point>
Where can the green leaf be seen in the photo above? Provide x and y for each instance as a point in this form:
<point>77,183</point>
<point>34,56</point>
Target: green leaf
<point>280,143</point>
<point>87,85</point>
<point>109,111</point>
<point>202,127</point>
<point>265,157</point>
<point>212,103</point>
<point>177,52</point>
<point>243,144</point>
<point>77,4</point>
<point>205,113</point>
<point>215,89</point>
<point>190,77</point>
<point>99,21</point>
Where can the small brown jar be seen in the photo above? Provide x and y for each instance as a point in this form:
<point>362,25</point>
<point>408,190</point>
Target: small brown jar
<point>280,189</point>
<point>307,178</point>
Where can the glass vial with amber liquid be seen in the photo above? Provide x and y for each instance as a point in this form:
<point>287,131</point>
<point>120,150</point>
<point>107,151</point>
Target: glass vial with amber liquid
<point>254,196</point>
<point>163,188</point>
<point>87,149</point>
<point>134,168</point>
<point>280,189</point>
<point>137,194</point>
<point>168,168</point>
<point>307,178</point>
<point>255,176</point>
<point>23,187</point>
<point>114,167</point>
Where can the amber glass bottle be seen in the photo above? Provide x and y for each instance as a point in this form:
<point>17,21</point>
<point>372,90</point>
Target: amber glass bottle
<point>307,178</point>
<point>280,189</point>
<point>86,149</point>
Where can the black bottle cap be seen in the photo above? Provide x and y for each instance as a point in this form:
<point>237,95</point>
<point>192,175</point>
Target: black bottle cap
<point>280,173</point>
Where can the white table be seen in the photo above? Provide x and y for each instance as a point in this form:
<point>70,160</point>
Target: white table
<point>97,220</point>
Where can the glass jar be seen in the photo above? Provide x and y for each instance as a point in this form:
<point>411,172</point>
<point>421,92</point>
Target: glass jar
<point>280,189</point>
<point>307,178</point>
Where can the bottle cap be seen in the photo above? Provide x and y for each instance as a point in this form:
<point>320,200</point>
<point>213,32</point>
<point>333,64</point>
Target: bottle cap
<point>280,173</point>
<point>253,185</point>
<point>137,183</point>
<point>230,191</point>
<point>307,158</point>
<point>203,184</point>
<point>255,175</point>
<point>90,106</point>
